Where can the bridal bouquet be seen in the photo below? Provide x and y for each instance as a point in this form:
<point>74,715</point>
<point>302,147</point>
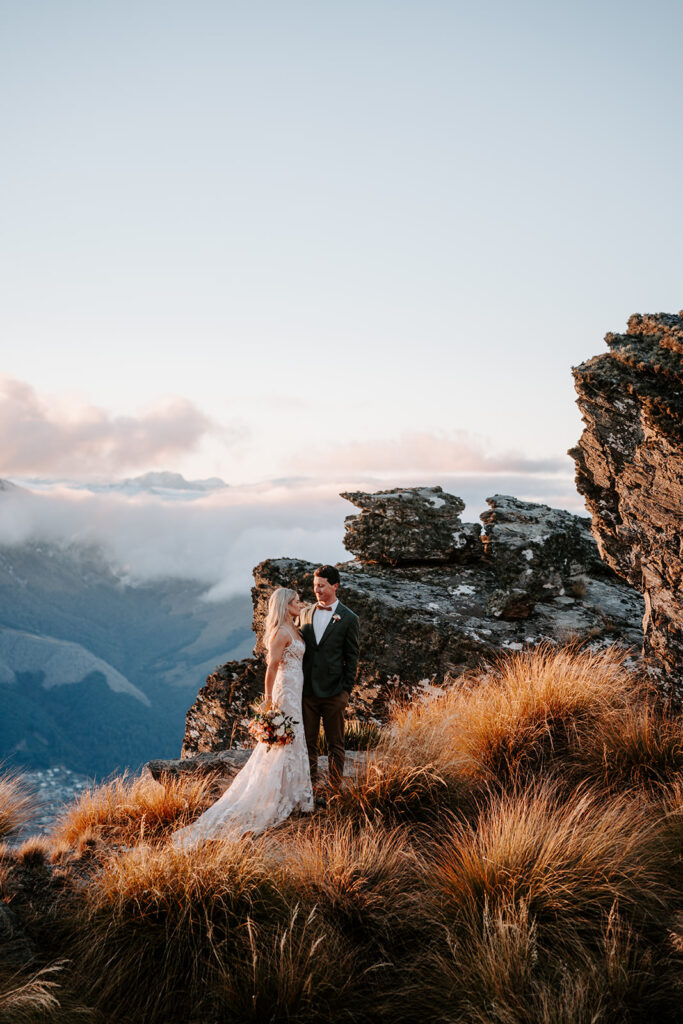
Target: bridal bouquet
<point>272,727</point>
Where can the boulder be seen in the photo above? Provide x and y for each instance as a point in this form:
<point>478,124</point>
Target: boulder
<point>629,467</point>
<point>410,526</point>
<point>537,553</point>
<point>223,766</point>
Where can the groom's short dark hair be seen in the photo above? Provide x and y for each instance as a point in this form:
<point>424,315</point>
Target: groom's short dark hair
<point>329,573</point>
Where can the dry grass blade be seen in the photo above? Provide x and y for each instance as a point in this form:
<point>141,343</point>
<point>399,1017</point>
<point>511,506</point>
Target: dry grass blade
<point>390,789</point>
<point>155,922</point>
<point>529,712</point>
<point>639,746</point>
<point>17,804</point>
<point>28,998</point>
<point>150,881</point>
<point>302,970</point>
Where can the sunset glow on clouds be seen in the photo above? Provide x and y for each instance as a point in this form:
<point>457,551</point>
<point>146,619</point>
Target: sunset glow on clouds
<point>38,435</point>
<point>458,452</point>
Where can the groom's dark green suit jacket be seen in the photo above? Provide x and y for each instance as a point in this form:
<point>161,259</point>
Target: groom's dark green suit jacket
<point>330,666</point>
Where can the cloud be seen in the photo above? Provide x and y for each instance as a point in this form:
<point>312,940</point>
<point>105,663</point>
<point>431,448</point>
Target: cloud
<point>40,436</point>
<point>420,452</point>
<point>216,539</point>
<point>219,537</point>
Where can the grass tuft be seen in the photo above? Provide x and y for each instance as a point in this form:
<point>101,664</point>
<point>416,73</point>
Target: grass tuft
<point>17,805</point>
<point>360,877</point>
<point>639,747</point>
<point>27,998</point>
<point>177,934</point>
<point>131,811</point>
<point>568,862</point>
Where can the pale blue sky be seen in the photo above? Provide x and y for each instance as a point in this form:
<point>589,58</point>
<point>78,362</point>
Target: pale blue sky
<point>430,210</point>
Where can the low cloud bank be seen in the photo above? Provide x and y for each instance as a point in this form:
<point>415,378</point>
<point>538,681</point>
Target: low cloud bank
<point>219,537</point>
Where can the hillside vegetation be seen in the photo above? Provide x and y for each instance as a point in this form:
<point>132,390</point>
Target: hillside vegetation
<point>510,853</point>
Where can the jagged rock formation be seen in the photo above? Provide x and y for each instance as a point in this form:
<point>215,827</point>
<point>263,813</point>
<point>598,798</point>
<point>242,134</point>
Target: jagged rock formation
<point>410,526</point>
<point>534,575</point>
<point>629,467</point>
<point>537,553</point>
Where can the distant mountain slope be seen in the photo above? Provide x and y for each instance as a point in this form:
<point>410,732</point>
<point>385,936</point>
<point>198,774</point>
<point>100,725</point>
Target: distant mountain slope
<point>133,658</point>
<point>164,484</point>
<point>59,662</point>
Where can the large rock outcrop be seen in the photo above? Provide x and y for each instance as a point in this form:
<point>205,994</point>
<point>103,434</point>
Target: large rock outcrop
<point>410,526</point>
<point>426,618</point>
<point>629,467</point>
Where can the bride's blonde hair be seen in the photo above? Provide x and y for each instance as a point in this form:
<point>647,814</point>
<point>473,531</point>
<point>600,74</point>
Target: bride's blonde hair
<point>278,616</point>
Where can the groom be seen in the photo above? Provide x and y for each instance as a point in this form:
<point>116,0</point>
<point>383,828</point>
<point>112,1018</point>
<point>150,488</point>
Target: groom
<point>330,630</point>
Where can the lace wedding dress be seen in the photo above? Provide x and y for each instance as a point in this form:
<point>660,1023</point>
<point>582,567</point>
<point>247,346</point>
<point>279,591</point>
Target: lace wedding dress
<point>274,782</point>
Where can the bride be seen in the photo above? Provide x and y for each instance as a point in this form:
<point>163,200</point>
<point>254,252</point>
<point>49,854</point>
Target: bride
<point>275,781</point>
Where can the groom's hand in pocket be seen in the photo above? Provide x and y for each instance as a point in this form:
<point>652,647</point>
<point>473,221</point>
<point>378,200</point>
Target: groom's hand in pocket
<point>346,695</point>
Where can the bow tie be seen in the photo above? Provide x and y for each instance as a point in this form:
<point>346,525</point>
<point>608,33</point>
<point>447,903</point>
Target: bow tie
<point>324,607</point>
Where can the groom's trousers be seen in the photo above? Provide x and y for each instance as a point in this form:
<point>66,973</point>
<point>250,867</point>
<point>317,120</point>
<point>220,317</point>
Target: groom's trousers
<point>331,710</point>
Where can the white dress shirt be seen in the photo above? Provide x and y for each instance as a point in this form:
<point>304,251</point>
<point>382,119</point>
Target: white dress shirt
<point>321,620</point>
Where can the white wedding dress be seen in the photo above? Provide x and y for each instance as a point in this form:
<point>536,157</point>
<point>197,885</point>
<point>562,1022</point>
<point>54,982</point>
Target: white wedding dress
<point>274,782</point>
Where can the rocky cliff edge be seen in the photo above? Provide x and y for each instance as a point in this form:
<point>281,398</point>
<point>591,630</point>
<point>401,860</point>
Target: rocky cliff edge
<point>629,467</point>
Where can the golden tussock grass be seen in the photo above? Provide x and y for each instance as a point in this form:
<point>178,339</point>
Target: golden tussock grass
<point>639,746</point>
<point>534,712</point>
<point>501,975</point>
<point>174,934</point>
<point>363,878</point>
<point>533,707</point>
<point>17,804</point>
<point>390,788</point>
<point>301,969</point>
<point>133,810</point>
<point>568,862</point>
<point>510,853</point>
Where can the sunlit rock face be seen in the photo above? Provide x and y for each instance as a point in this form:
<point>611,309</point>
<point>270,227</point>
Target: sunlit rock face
<point>629,467</point>
<point>535,575</point>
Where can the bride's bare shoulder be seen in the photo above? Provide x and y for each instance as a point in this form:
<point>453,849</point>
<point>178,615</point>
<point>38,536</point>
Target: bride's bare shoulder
<point>285,636</point>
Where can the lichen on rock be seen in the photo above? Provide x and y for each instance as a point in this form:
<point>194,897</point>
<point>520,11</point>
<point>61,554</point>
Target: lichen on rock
<point>410,526</point>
